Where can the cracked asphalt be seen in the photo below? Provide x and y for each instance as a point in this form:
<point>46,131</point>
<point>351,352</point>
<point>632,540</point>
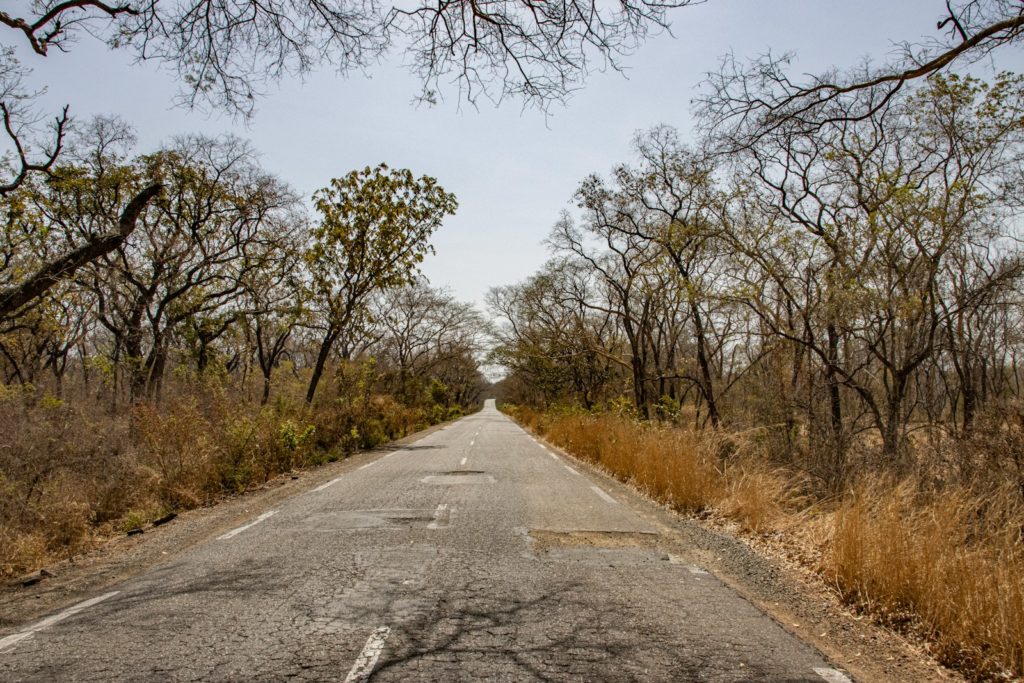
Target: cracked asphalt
<point>472,554</point>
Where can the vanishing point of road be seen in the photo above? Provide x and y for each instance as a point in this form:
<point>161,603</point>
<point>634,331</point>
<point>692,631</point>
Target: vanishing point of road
<point>472,554</point>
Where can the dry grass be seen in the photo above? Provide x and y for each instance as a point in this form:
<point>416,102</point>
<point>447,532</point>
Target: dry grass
<point>72,472</point>
<point>949,565</point>
<point>683,468</point>
<point>946,563</point>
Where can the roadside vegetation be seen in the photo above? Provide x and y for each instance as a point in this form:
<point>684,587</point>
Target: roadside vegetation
<point>816,333</point>
<point>232,338</point>
<point>943,564</point>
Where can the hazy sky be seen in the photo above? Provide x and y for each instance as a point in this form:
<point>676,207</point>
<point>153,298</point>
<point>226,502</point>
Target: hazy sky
<point>512,170</point>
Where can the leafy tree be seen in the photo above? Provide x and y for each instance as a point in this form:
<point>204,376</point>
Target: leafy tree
<point>373,233</point>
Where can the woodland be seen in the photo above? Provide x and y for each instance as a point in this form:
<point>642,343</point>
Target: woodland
<point>805,319</point>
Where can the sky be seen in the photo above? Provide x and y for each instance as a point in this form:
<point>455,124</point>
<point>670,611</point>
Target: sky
<point>513,170</point>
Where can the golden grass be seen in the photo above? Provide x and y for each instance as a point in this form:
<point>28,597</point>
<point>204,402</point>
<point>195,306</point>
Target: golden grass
<point>947,565</point>
<point>950,565</point>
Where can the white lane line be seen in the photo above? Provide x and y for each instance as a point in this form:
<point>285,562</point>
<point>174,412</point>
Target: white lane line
<point>604,496</point>
<point>16,638</point>
<point>832,676</point>
<point>367,659</point>
<point>363,467</point>
<point>553,456</point>
<point>436,524</point>
<point>235,532</point>
<point>572,470</point>
<point>332,482</point>
<point>463,462</point>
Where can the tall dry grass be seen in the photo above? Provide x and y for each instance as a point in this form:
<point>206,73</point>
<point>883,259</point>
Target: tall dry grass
<point>683,468</point>
<point>946,562</point>
<point>950,565</point>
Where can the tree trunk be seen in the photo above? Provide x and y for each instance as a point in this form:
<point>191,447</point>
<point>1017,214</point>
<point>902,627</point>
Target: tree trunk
<point>707,386</point>
<point>321,361</point>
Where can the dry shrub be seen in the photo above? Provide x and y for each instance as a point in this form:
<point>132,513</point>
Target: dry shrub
<point>949,564</point>
<point>57,464</point>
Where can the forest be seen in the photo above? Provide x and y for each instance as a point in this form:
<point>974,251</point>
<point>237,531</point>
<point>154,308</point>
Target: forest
<point>228,336</point>
<point>801,319</point>
<point>822,326</point>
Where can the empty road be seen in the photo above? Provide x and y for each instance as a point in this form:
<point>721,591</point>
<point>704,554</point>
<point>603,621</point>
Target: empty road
<point>473,554</point>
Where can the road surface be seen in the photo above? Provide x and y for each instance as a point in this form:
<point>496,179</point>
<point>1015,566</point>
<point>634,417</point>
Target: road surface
<point>472,554</point>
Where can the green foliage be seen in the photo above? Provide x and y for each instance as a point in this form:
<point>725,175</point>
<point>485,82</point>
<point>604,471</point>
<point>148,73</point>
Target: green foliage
<point>373,234</point>
<point>291,436</point>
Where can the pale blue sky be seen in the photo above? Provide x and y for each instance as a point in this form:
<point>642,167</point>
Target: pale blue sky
<point>512,170</point>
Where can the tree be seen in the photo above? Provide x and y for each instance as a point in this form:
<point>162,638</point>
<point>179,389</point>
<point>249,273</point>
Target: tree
<point>225,54</point>
<point>374,231</point>
<point>192,247</point>
<point>424,328</point>
<point>747,102</point>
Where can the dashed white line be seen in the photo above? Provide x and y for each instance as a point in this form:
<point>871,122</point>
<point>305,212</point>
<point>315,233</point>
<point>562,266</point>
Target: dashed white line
<point>832,675</point>
<point>16,638</point>
<point>604,496</point>
<point>436,524</point>
<point>463,462</point>
<point>332,482</point>
<point>367,659</point>
<point>363,467</point>
<point>572,470</point>
<point>235,532</point>
<point>553,456</point>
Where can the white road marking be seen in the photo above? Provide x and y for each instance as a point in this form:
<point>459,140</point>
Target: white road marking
<point>463,462</point>
<point>832,676</point>
<point>572,470</point>
<point>363,467</point>
<point>437,516</point>
<point>235,532</point>
<point>604,496</point>
<point>332,482</point>
<point>51,620</point>
<point>367,659</point>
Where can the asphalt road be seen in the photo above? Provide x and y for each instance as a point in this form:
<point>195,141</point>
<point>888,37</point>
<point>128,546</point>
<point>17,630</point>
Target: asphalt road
<point>473,554</point>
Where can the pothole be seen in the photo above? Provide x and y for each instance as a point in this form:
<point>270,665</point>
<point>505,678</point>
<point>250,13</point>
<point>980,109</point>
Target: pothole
<point>599,548</point>
<point>368,519</point>
<point>546,540</point>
